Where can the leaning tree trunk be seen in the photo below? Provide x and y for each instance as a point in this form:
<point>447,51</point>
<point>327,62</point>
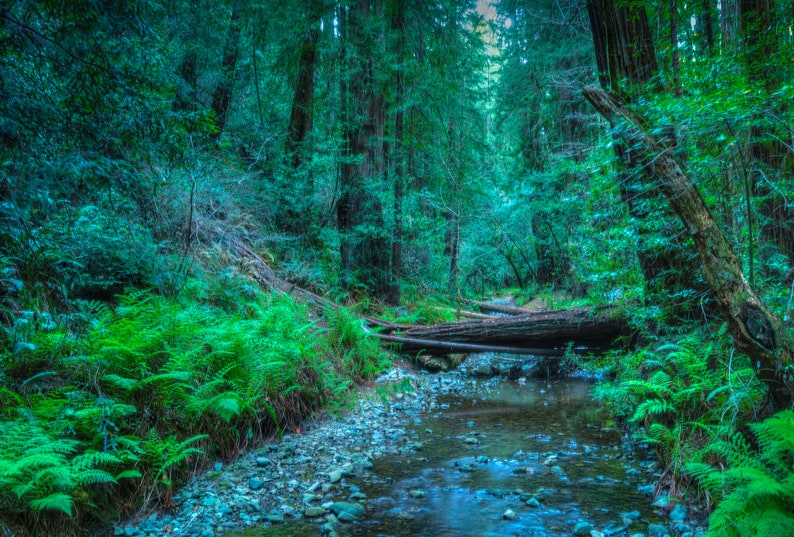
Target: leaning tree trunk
<point>756,331</point>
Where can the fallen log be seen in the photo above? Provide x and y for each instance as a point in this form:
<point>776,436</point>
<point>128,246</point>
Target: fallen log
<point>429,346</point>
<point>498,308</point>
<point>586,329</point>
<point>464,313</point>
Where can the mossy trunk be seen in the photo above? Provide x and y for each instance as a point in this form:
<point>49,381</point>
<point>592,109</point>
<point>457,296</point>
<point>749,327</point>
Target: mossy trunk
<point>756,331</point>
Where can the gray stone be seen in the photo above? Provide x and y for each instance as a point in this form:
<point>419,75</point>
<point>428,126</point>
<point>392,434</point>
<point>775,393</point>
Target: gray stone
<point>262,461</point>
<point>582,528</point>
<point>347,516</point>
<point>218,466</point>
<point>314,512</point>
<point>347,507</point>
<point>335,476</point>
<point>255,483</point>
<point>510,515</point>
<point>678,514</point>
<point>533,502</point>
<point>275,518</point>
<point>656,530</point>
<point>209,501</point>
<point>417,494</point>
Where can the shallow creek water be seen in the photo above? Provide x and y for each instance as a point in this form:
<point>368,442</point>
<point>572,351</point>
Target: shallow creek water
<point>483,455</point>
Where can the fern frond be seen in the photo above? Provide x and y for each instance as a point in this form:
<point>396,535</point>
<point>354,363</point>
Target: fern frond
<point>652,407</point>
<point>128,474</point>
<point>57,501</point>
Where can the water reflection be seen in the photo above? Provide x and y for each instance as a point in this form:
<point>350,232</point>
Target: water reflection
<point>540,450</point>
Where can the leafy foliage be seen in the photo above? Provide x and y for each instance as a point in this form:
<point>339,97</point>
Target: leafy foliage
<point>682,397</point>
<point>754,484</point>
<point>151,388</point>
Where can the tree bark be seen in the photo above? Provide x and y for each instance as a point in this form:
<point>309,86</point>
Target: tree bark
<point>398,154</point>
<point>627,64</point>
<point>756,331</point>
<point>222,97</point>
<point>300,119</point>
<point>583,327</point>
<point>364,251</point>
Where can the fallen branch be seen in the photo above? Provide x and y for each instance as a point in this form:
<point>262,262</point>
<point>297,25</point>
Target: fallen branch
<point>413,345</point>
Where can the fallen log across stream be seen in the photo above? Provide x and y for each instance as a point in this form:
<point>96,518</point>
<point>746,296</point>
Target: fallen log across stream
<point>540,333</point>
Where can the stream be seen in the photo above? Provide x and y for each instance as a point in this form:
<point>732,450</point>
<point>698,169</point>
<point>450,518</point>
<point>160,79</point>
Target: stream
<point>523,458</point>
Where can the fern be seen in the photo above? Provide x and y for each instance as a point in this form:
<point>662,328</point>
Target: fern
<point>757,488</point>
<point>46,473</point>
<point>57,501</point>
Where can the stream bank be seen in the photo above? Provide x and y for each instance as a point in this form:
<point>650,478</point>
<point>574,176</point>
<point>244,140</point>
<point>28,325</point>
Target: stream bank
<point>446,454</point>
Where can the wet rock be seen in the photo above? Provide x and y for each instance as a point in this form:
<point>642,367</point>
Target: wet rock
<point>582,528</point>
<point>335,476</point>
<point>313,512</point>
<point>678,514</point>
<point>559,472</point>
<point>417,494</point>
<point>533,502</point>
<point>275,518</point>
<point>262,461</point>
<point>656,530</point>
<point>255,483</point>
<point>510,515</point>
<point>357,510</point>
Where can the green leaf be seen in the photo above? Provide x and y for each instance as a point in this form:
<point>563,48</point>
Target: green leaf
<point>57,501</point>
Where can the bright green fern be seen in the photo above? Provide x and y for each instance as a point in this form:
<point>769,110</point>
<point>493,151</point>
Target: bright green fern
<point>755,492</point>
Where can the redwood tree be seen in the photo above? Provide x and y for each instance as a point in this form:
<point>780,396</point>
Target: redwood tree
<point>364,247</point>
<point>627,67</point>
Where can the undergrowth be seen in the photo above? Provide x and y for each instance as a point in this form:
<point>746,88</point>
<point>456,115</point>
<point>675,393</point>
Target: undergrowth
<point>105,410</point>
<point>697,404</point>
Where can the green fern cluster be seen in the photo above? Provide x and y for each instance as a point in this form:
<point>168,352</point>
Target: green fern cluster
<point>358,353</point>
<point>754,486</point>
<point>153,386</point>
<point>46,473</point>
<point>682,397</point>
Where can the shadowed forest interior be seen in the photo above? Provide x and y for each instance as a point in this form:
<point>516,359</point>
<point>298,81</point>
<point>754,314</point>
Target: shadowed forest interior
<point>209,211</point>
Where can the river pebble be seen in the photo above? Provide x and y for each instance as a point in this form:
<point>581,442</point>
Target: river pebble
<point>277,482</point>
<point>315,474</point>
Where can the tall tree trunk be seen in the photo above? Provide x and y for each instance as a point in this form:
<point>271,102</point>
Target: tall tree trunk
<point>626,64</point>
<point>222,96</point>
<point>397,153</point>
<point>756,331</point>
<point>707,20</point>
<point>300,119</point>
<point>729,26</point>
<point>364,251</point>
<point>452,251</point>
<point>675,61</point>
